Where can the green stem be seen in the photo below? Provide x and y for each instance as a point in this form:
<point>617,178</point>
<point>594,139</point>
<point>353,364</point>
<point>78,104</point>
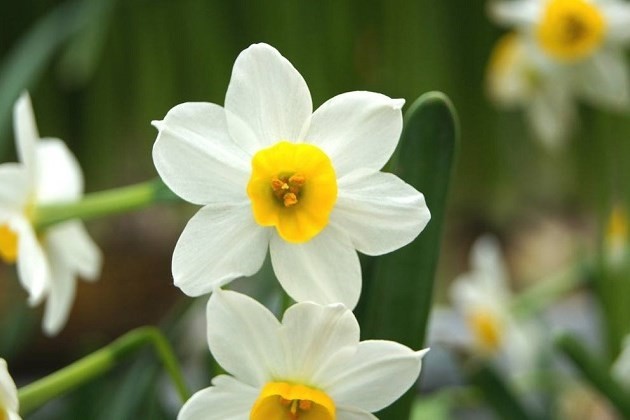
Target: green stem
<point>595,372</point>
<point>96,364</point>
<point>104,203</point>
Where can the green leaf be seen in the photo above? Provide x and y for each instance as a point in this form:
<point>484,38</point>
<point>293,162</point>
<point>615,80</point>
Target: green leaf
<point>32,54</point>
<point>596,373</point>
<point>397,299</point>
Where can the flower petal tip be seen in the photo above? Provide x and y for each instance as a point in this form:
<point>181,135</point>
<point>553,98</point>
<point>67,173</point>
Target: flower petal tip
<point>422,353</point>
<point>159,124</point>
<point>398,103</point>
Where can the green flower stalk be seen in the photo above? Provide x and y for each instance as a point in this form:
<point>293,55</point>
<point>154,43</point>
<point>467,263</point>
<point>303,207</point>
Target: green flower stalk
<point>104,203</point>
<point>100,362</point>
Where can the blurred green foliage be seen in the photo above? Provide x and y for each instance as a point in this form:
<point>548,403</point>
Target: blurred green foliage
<point>100,70</point>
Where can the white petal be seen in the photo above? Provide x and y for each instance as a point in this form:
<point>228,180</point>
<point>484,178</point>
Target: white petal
<point>516,12</point>
<point>196,157</point>
<point>59,176</point>
<point>74,246</point>
<point>324,270</point>
<point>32,264</point>
<point>226,399</point>
<point>380,372</point>
<point>604,80</point>
<point>313,334</point>
<point>219,244</point>
<point>353,413</point>
<point>14,188</point>
<point>486,260</point>
<point>551,113</point>
<point>60,296</point>
<point>26,135</point>
<point>270,96</point>
<point>617,16</point>
<point>8,392</point>
<point>243,337</point>
<point>357,130</point>
<point>379,211</point>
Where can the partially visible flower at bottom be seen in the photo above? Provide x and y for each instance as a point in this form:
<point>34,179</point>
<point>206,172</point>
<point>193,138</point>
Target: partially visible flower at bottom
<point>9,403</point>
<point>518,76</point>
<point>310,365</point>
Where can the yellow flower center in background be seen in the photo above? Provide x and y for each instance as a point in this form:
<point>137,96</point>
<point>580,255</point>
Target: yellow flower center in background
<point>570,29</point>
<point>294,188</point>
<point>8,246</point>
<point>285,401</point>
<point>486,328</point>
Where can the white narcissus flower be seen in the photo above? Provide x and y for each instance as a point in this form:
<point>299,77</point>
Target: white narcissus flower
<point>47,261</point>
<point>9,403</point>
<point>584,38</point>
<point>519,76</point>
<point>483,299</point>
<point>310,365</point>
<point>270,173</point>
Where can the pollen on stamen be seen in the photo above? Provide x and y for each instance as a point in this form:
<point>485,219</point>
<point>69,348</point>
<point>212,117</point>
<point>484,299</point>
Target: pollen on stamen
<point>290,199</point>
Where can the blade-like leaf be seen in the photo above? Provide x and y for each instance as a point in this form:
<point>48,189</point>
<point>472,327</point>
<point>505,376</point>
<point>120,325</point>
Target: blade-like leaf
<point>397,298</point>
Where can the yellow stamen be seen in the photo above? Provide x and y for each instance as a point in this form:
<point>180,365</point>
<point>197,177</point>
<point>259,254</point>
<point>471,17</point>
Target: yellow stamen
<point>8,244</point>
<point>487,329</point>
<point>282,400</point>
<point>571,30</point>
<point>294,188</point>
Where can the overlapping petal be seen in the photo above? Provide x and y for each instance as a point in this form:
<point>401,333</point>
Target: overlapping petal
<point>378,374</point>
<point>14,187</point>
<point>516,12</point>
<point>226,399</point>
<point>60,296</point>
<point>197,159</point>
<point>357,130</point>
<point>75,248</point>
<point>379,211</point>
<point>604,79</point>
<point>59,177</point>
<point>244,337</point>
<point>325,269</point>
<point>220,243</point>
<point>312,335</point>
<point>32,265</point>
<point>270,96</point>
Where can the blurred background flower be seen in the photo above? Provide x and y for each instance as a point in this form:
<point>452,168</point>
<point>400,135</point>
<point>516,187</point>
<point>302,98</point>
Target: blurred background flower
<point>100,71</point>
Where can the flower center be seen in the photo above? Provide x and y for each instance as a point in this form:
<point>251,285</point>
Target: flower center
<point>570,29</point>
<point>294,188</point>
<point>8,245</point>
<point>285,401</point>
<point>487,329</point>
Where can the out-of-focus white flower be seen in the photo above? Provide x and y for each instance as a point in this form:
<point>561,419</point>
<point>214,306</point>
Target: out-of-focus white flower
<point>310,365</point>
<point>273,174</point>
<point>621,368</point>
<point>47,261</point>
<point>9,404</point>
<point>482,299</point>
<point>584,38</point>
<point>520,77</point>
